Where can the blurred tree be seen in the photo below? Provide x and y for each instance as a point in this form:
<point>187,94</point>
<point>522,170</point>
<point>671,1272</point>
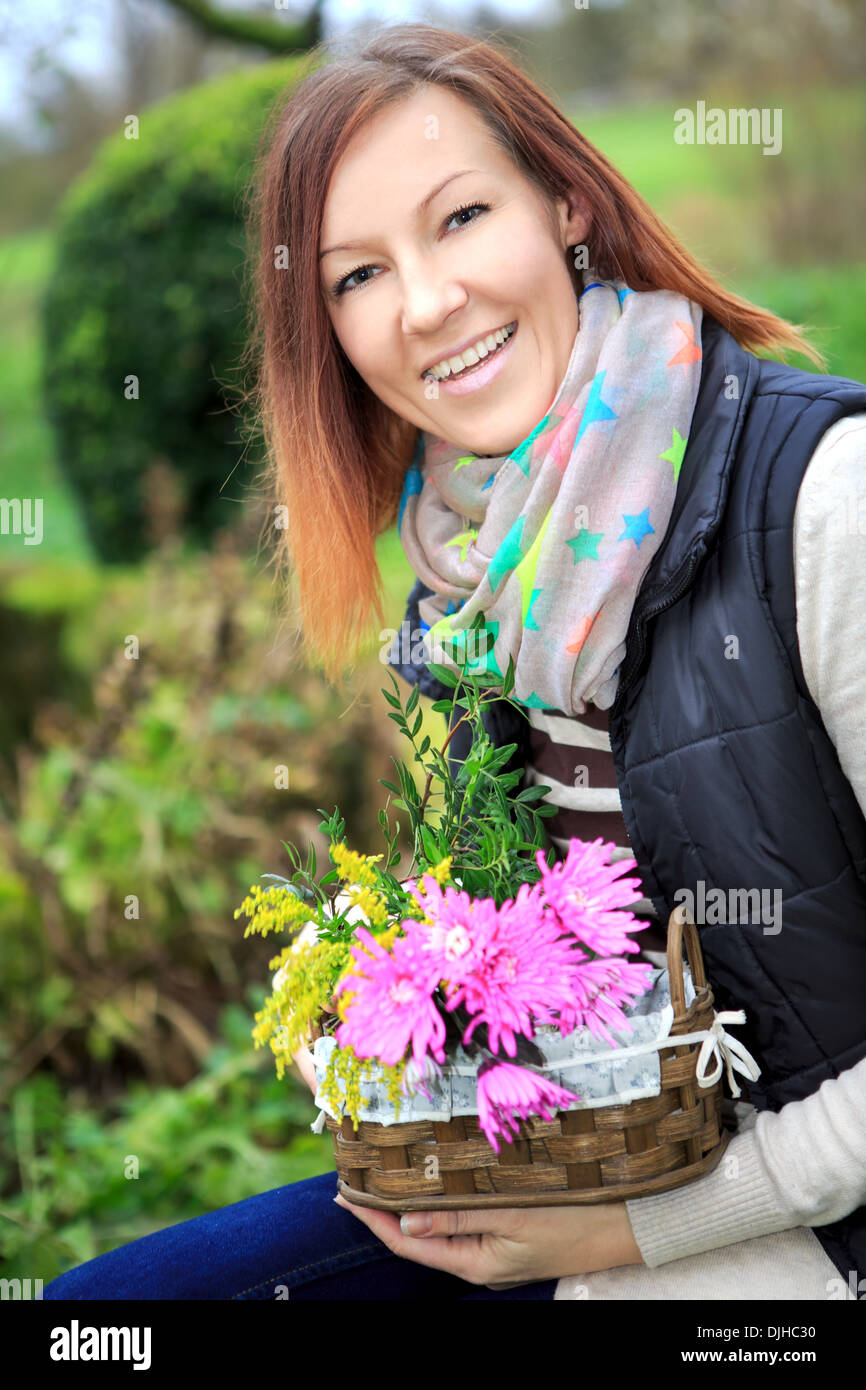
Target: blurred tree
<point>261,30</point>
<point>675,48</point>
<point>153,50</point>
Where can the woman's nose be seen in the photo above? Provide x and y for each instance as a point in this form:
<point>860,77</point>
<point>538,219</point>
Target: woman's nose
<point>427,302</point>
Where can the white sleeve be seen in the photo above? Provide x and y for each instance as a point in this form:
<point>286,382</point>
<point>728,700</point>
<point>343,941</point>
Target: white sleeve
<point>830,583</point>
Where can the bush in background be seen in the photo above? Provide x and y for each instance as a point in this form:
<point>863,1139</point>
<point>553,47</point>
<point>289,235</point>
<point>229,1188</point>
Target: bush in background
<point>136,820</point>
<point>148,282</point>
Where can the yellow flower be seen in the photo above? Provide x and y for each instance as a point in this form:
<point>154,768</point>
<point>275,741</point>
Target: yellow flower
<point>441,871</point>
<point>371,903</point>
<point>298,1000</point>
<point>344,1064</point>
<point>351,866</point>
<point>344,999</point>
<point>274,909</point>
<point>387,938</point>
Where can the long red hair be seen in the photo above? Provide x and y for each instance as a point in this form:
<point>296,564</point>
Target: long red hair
<point>337,455</point>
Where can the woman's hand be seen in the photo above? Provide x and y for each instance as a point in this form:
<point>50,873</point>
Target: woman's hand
<point>505,1246</point>
<point>303,1060</point>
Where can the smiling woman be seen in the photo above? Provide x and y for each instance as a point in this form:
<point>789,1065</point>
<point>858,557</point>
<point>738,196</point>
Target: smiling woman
<point>410,201</point>
<point>442,280</point>
<point>469,323</point>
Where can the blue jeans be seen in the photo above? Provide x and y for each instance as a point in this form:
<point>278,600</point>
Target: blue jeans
<point>292,1242</point>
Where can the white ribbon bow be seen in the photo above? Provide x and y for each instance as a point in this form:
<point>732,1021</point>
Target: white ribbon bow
<point>717,1043</point>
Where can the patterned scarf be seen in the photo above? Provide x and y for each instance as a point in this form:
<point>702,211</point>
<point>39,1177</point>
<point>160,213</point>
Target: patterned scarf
<point>550,542</point>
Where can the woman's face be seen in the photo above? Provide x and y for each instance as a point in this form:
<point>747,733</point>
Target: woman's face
<point>421,282</point>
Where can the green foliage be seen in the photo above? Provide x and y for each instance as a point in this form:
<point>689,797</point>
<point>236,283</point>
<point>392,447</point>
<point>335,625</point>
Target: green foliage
<point>81,1179</point>
<point>147,794</point>
<point>490,833</point>
<point>148,281</point>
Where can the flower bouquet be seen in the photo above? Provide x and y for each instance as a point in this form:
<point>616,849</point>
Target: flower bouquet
<point>478,962</point>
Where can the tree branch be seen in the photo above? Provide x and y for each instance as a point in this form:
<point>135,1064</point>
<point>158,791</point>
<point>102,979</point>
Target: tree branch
<point>259,30</point>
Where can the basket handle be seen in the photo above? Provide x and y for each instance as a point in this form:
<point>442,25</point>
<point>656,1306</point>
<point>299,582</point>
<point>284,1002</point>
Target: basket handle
<point>680,928</point>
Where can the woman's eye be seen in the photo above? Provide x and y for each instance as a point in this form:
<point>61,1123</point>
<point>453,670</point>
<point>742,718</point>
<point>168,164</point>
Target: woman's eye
<point>343,287</point>
<point>469,207</point>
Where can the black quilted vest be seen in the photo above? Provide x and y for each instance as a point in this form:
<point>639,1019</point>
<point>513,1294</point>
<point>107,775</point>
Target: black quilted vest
<point>726,773</point>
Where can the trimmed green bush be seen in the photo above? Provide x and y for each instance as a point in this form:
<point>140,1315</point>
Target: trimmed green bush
<point>148,281</point>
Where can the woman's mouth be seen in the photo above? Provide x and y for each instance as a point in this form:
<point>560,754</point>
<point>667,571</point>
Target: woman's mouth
<point>475,375</point>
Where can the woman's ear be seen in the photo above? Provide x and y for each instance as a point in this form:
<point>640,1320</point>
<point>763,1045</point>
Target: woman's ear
<point>575,219</point>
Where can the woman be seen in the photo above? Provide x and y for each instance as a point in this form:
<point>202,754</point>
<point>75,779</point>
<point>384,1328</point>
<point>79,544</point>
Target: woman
<point>473,325</point>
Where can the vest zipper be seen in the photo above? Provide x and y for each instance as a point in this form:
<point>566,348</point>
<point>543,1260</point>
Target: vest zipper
<point>635,658</point>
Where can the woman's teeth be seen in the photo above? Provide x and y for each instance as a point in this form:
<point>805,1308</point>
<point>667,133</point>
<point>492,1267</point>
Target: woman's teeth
<point>452,367</point>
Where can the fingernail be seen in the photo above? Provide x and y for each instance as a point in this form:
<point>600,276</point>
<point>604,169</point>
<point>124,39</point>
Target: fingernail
<point>418,1223</point>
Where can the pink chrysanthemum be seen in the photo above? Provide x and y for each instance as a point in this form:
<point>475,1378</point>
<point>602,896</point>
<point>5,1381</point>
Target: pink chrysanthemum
<point>601,988</point>
<point>392,1004</point>
<point>507,1093</point>
<point>452,913</point>
<point>588,896</point>
<point>507,965</point>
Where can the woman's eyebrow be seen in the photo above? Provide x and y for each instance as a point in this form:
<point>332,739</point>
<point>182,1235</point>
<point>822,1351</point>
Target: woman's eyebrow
<point>422,206</point>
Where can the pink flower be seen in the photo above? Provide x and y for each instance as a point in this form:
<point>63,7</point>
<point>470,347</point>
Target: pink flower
<point>452,912</point>
<point>587,895</point>
<point>508,968</point>
<point>507,965</point>
<point>392,1005</point>
<point>601,988</point>
<point>507,1093</point>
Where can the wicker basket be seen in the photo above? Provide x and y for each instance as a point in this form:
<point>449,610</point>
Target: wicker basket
<point>596,1154</point>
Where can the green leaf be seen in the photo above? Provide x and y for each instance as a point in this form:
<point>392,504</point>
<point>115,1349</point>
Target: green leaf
<point>443,674</point>
<point>508,682</point>
<point>443,706</point>
<point>431,847</point>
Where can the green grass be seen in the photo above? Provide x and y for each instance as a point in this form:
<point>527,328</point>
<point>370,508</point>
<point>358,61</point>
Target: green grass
<point>738,210</point>
<point>832,300</point>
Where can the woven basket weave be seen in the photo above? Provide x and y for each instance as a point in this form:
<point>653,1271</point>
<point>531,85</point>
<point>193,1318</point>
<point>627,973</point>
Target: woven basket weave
<point>597,1154</point>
